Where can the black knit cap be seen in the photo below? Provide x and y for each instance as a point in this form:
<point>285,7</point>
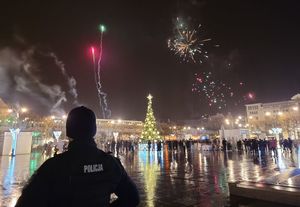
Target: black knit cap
<point>81,123</point>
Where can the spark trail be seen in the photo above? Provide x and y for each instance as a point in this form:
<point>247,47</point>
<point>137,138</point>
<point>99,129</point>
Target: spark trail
<point>97,70</point>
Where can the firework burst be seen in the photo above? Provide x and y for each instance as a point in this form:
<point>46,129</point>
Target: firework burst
<point>215,92</point>
<point>218,94</point>
<point>187,43</point>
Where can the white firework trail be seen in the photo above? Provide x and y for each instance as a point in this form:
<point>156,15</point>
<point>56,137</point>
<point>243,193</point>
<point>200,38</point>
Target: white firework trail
<point>106,113</point>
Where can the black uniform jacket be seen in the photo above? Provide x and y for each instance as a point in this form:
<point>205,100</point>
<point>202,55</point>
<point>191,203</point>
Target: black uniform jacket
<point>82,176</point>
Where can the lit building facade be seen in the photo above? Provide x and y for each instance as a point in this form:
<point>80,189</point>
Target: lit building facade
<point>106,128</point>
<point>3,109</point>
<point>116,128</point>
<point>283,115</point>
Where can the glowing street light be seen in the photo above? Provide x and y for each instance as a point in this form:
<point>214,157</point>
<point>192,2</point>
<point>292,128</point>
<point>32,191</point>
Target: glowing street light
<point>52,117</point>
<point>280,113</point>
<point>24,110</point>
<point>240,117</point>
<point>295,108</point>
<point>227,121</point>
<point>250,117</point>
<point>64,116</point>
<point>119,121</point>
<point>15,130</point>
<point>268,113</point>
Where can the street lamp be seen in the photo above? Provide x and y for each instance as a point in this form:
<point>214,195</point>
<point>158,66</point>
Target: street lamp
<point>15,129</point>
<point>24,110</point>
<point>227,121</point>
<point>296,120</point>
<point>268,113</point>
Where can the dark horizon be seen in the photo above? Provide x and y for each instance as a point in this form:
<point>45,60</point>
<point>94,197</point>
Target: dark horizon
<point>259,40</point>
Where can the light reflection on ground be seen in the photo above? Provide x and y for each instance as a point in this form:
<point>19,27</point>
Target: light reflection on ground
<point>171,178</point>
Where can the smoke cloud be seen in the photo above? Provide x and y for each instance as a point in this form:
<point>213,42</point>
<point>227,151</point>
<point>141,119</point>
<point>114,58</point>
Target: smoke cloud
<point>71,80</point>
<point>23,79</point>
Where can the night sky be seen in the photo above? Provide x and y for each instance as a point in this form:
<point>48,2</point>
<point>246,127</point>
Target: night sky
<point>259,40</point>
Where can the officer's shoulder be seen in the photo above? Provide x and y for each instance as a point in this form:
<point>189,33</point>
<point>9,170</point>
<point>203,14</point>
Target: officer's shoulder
<point>109,155</point>
<point>116,159</point>
<point>56,159</point>
<point>110,158</point>
<point>113,159</point>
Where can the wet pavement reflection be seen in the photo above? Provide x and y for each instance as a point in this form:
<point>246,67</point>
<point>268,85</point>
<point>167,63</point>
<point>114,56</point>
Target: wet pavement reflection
<point>173,178</point>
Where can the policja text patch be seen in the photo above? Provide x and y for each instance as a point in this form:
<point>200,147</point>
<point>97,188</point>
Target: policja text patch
<point>92,168</point>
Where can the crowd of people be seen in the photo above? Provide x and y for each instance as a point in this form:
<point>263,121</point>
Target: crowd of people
<point>55,147</point>
<point>121,146</point>
<point>181,145</point>
<point>124,146</point>
<point>256,146</point>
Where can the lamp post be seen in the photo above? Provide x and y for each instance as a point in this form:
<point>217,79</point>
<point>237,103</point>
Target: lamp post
<point>16,125</point>
<point>295,121</point>
<point>275,123</point>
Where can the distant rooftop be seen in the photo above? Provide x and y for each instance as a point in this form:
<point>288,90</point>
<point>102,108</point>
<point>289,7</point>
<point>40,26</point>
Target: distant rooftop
<point>294,98</point>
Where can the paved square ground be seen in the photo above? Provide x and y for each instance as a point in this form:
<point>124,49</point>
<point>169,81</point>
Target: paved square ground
<point>171,178</point>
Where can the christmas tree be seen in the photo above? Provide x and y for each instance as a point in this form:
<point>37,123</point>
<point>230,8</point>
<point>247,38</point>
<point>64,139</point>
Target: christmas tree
<point>150,131</point>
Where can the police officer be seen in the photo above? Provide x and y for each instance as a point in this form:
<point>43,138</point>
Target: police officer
<point>83,175</point>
